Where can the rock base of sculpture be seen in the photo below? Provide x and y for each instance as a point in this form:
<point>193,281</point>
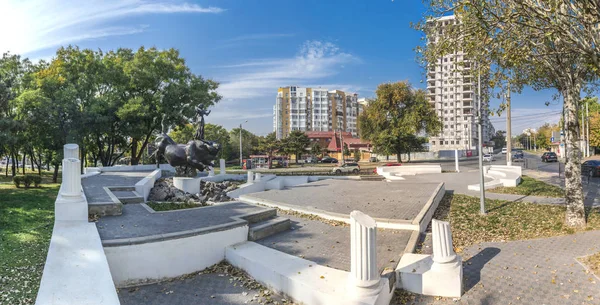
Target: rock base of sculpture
<point>419,274</point>
<point>187,184</point>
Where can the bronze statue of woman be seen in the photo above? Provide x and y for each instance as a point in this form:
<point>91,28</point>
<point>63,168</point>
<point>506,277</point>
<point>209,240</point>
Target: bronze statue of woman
<point>200,113</point>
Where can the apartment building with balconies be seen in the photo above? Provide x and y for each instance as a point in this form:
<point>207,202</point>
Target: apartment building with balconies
<point>314,109</point>
<point>452,92</point>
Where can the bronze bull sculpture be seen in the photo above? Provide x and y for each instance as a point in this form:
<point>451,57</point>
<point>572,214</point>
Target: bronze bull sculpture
<point>186,158</point>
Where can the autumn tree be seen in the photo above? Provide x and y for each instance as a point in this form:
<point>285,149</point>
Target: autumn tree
<point>527,42</point>
<point>392,120</point>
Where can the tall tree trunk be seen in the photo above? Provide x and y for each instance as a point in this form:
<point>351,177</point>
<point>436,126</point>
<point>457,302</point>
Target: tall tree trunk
<point>23,163</point>
<point>6,172</point>
<point>14,164</point>
<point>575,215</point>
<point>399,157</point>
<point>134,145</point>
<point>55,174</point>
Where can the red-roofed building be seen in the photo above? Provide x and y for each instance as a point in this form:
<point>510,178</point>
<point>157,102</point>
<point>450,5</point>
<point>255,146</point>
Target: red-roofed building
<point>332,142</point>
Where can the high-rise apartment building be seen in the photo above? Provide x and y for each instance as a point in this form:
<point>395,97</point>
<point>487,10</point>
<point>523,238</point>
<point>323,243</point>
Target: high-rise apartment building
<point>452,92</point>
<point>314,109</point>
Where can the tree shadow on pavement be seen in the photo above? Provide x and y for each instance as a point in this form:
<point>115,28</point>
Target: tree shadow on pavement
<point>473,266</point>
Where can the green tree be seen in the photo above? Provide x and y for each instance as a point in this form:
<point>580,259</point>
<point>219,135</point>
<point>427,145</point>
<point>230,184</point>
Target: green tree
<point>316,149</point>
<point>161,91</point>
<point>249,143</point>
<point>356,155</point>
<point>499,139</point>
<point>527,42</point>
<point>391,121</point>
<point>296,143</point>
<point>269,145</point>
<point>219,134</point>
<point>347,152</point>
<point>183,133</point>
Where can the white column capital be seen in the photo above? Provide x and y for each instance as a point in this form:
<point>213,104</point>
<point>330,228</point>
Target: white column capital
<point>443,252</point>
<point>71,151</point>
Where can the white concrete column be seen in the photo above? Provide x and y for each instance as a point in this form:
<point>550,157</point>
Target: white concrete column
<point>363,251</point>
<point>222,166</point>
<point>258,176</point>
<point>456,160</point>
<point>250,177</point>
<point>71,151</point>
<point>71,178</point>
<point>442,242</point>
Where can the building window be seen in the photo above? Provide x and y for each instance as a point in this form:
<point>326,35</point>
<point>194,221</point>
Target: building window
<point>432,142</point>
<point>446,142</point>
<point>452,142</point>
<point>445,126</point>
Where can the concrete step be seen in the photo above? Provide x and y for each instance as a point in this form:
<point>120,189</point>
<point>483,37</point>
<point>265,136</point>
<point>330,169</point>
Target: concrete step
<point>268,227</point>
<point>260,216</point>
<point>132,199</point>
<point>122,188</point>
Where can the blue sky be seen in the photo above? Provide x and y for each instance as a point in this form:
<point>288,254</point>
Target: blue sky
<point>251,47</point>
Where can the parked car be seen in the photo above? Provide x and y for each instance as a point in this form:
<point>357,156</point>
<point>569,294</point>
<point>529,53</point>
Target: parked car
<point>504,151</point>
<point>373,159</point>
<point>329,160</point>
<point>488,158</point>
<point>591,168</point>
<point>347,168</point>
<point>549,157</point>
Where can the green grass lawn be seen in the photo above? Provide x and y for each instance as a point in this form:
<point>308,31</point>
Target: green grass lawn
<point>531,187</point>
<point>505,220</point>
<point>26,219</point>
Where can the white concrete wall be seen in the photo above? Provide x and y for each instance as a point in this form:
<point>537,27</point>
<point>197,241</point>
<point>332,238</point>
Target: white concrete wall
<point>151,262</point>
<point>144,186</point>
<point>409,169</point>
<point>76,270</point>
<point>304,281</point>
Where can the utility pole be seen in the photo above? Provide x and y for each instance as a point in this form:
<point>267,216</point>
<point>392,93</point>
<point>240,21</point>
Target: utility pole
<point>582,132</point>
<point>587,137</point>
<point>508,130</point>
<point>480,148</point>
<point>241,131</point>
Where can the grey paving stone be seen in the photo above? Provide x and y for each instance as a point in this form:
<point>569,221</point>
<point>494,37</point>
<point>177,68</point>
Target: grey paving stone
<point>136,221</point>
<point>539,271</point>
<point>93,186</point>
<point>378,199</point>
<point>329,245</point>
<point>202,289</point>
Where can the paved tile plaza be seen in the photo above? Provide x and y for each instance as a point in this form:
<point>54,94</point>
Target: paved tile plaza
<point>137,221</point>
<point>378,199</point>
<point>329,245</point>
<point>540,271</point>
<point>93,187</point>
<point>201,289</point>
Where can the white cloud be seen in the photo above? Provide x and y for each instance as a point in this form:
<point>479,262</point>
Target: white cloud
<point>259,78</point>
<point>32,25</point>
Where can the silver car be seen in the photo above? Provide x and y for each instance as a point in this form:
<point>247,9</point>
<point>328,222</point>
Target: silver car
<point>347,168</point>
<point>488,157</point>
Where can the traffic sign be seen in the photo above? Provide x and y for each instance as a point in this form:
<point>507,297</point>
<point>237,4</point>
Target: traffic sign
<point>552,139</point>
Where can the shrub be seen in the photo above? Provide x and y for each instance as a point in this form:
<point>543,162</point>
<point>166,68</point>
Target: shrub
<point>27,181</point>
<point>37,180</point>
<point>17,180</point>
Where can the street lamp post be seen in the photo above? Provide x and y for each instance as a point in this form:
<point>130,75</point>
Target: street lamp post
<point>241,130</point>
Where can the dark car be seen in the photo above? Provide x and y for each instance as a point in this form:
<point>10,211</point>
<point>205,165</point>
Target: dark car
<point>591,168</point>
<point>518,157</point>
<point>549,157</point>
<point>329,160</point>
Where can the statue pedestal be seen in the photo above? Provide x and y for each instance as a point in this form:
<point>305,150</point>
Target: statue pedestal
<point>187,184</point>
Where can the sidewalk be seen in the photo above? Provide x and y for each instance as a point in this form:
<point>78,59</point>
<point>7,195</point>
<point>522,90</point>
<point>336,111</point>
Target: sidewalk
<point>539,271</point>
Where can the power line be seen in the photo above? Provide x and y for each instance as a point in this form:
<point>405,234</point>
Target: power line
<point>529,116</point>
